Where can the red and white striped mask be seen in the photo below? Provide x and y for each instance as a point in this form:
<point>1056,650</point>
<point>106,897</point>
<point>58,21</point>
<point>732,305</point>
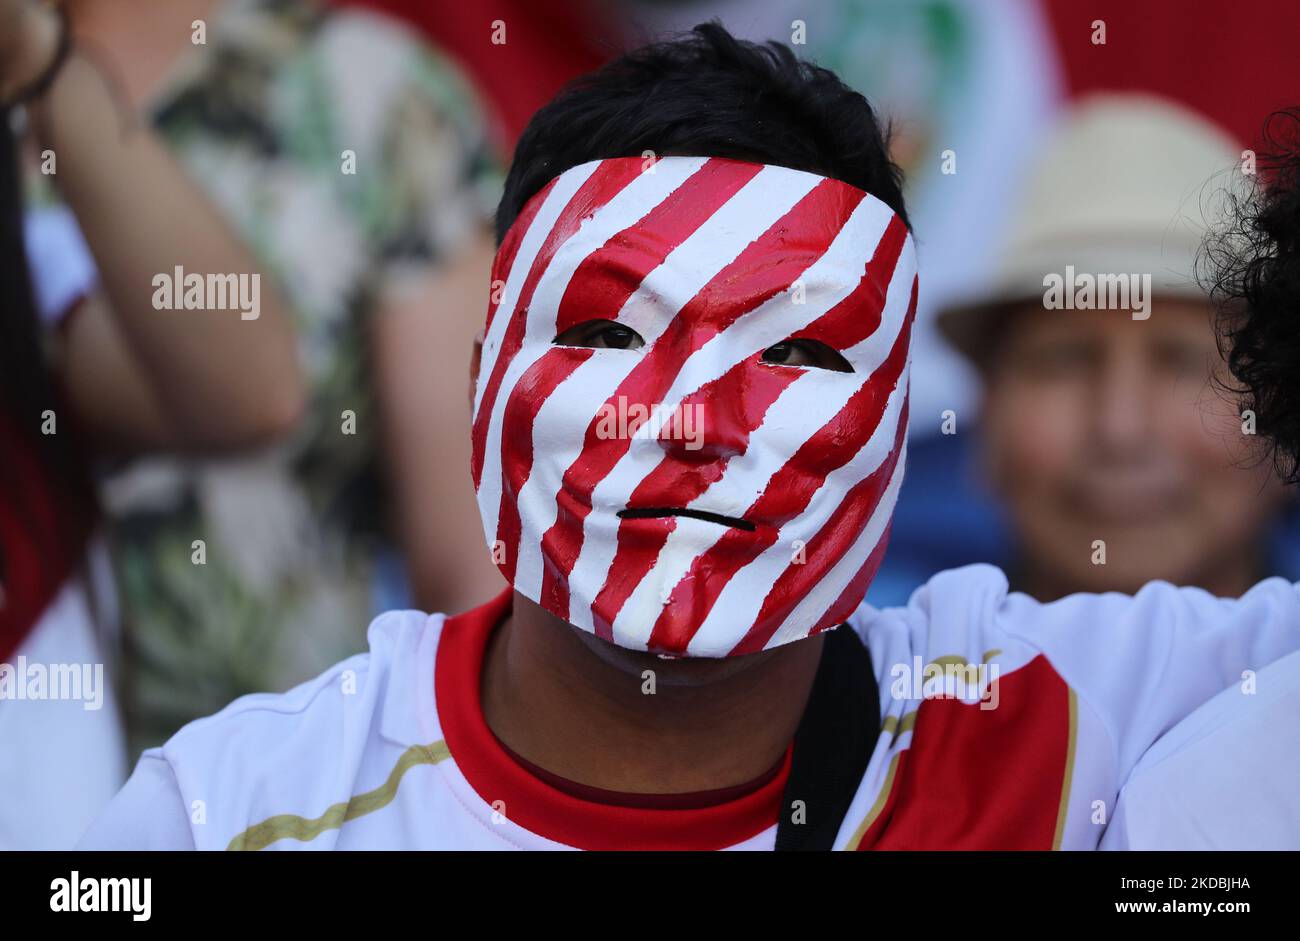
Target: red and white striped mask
<point>760,494</point>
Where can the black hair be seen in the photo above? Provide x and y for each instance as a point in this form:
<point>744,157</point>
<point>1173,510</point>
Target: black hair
<point>707,94</point>
<point>25,385</point>
<point>1252,268</point>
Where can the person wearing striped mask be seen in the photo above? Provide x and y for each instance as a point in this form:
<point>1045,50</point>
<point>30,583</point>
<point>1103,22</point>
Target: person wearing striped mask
<point>689,423</point>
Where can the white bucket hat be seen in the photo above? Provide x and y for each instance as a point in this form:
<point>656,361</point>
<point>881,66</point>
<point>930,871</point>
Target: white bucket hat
<point>1124,184</point>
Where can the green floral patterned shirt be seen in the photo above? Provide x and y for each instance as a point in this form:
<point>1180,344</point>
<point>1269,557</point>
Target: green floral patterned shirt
<point>268,116</point>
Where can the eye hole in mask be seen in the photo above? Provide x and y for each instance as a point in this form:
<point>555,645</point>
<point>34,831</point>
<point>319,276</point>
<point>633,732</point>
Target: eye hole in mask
<point>805,352</point>
<point>600,335</point>
<point>609,335</point>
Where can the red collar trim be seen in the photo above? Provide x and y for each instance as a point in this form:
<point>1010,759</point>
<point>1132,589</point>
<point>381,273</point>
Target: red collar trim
<point>535,805</point>
<point>688,801</point>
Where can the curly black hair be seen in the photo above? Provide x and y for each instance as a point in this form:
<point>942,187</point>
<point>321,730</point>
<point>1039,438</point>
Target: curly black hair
<point>1252,269</point>
<point>707,94</point>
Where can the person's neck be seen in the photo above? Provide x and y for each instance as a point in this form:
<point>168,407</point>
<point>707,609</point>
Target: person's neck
<point>582,708</point>
<point>1228,577</point>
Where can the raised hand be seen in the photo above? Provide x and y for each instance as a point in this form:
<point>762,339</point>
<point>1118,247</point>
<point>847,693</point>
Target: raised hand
<point>29,39</point>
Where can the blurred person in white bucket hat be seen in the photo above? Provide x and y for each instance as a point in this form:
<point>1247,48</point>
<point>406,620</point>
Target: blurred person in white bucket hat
<point>1224,777</point>
<point>1105,430</point>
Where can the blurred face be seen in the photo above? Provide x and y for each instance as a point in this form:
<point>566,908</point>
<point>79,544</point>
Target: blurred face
<point>1101,427</point>
<point>691,401</point>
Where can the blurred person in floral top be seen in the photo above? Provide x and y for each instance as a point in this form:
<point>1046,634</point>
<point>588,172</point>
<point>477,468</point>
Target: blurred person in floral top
<point>84,378</point>
<point>352,160</point>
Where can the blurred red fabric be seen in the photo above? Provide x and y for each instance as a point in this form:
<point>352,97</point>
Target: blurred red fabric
<point>1235,62</point>
<point>547,43</point>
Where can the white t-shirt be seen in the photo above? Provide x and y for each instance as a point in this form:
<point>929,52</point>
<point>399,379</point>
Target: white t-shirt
<point>1023,743</point>
<point>61,266</point>
<point>1225,778</point>
<point>61,758</point>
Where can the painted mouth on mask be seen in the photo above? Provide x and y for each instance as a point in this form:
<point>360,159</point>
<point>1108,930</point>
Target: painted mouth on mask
<point>657,512</point>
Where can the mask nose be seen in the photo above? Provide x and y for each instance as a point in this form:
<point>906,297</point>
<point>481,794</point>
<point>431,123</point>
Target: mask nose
<point>704,428</point>
<point>715,422</point>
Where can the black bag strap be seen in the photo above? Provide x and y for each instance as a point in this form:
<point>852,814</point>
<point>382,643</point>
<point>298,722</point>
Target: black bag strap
<point>833,744</point>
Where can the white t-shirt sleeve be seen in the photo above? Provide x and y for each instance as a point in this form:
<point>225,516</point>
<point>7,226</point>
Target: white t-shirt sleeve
<point>147,814</point>
<point>1226,777</point>
<point>1148,661</point>
<point>62,268</point>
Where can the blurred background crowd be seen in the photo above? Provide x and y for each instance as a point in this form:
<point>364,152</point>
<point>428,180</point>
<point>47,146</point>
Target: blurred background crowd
<point>227,503</point>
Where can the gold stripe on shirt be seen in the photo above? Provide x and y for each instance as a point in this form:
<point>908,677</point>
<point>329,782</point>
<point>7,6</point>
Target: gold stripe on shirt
<point>876,808</point>
<point>1064,809</point>
<point>894,727</point>
<point>293,827</point>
